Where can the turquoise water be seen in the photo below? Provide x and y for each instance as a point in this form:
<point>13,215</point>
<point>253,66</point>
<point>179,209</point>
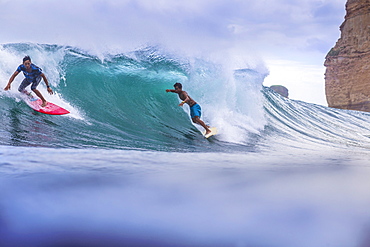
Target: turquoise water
<point>128,168</point>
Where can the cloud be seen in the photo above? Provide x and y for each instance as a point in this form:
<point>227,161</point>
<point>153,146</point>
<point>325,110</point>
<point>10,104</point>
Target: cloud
<point>169,21</point>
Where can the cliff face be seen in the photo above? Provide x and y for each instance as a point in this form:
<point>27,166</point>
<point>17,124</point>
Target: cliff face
<point>347,76</point>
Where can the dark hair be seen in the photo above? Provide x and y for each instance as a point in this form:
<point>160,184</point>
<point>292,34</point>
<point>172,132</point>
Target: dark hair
<point>178,85</point>
<point>26,58</point>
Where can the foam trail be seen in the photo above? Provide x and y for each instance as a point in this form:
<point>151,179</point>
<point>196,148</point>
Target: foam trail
<point>57,98</point>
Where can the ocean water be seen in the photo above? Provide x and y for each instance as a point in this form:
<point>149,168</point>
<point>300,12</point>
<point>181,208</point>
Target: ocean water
<point>128,168</point>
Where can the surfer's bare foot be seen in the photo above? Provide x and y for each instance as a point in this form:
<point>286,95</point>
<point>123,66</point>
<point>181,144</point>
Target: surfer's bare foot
<point>44,104</point>
<point>208,131</point>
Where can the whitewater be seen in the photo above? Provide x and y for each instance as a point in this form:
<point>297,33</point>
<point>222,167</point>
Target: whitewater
<point>128,168</point>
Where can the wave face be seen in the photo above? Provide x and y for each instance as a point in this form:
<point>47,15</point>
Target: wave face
<point>119,102</point>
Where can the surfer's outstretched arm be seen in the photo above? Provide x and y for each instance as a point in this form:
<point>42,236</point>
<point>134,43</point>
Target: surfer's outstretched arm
<point>182,94</point>
<point>11,80</point>
<point>171,91</point>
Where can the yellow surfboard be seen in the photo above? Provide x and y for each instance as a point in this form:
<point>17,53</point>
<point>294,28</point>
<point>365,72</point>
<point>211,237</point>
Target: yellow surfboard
<point>213,132</point>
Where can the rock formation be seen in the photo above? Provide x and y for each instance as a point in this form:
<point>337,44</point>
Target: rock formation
<point>283,91</point>
<point>347,76</point>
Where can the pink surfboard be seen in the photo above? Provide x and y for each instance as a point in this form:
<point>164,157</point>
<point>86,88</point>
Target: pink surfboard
<point>50,108</point>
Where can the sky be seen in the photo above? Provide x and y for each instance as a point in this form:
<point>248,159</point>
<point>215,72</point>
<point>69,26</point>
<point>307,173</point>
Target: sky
<point>289,37</point>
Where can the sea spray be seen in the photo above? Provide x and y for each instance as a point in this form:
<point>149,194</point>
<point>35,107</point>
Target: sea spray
<point>231,99</point>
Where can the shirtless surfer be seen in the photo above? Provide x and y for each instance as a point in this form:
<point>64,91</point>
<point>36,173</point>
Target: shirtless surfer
<point>33,76</point>
<point>195,110</point>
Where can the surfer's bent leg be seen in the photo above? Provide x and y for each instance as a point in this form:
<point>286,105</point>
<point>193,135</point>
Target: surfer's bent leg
<point>37,92</point>
<point>195,113</point>
<point>24,84</point>
<point>201,123</point>
<point>35,83</point>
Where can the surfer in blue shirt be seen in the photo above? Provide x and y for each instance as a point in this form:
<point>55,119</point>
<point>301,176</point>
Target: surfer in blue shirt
<point>195,110</point>
<point>33,76</point>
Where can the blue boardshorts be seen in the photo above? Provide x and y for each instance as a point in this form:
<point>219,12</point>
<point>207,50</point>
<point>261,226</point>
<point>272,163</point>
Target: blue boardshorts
<point>195,111</point>
<point>25,84</point>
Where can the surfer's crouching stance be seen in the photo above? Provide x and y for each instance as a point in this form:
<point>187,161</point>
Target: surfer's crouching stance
<point>33,74</point>
<point>195,110</point>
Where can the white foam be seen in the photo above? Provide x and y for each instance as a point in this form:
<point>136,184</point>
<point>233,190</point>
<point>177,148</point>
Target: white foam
<point>230,100</point>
